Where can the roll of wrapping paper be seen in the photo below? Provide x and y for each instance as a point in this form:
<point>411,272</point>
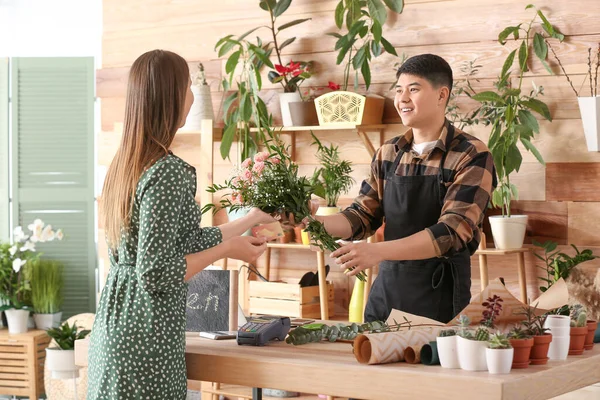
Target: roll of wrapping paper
<point>412,354</point>
<point>389,347</point>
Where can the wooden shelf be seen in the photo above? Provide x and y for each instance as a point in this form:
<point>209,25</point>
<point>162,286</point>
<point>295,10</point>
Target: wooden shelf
<point>362,128</point>
<point>243,392</point>
<point>294,246</point>
<point>499,252</point>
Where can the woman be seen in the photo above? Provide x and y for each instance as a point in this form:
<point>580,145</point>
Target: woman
<point>152,225</point>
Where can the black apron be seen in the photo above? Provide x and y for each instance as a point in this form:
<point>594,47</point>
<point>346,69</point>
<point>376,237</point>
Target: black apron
<point>437,288</point>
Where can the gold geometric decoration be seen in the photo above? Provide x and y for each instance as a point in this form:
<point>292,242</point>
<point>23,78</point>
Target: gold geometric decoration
<point>340,108</point>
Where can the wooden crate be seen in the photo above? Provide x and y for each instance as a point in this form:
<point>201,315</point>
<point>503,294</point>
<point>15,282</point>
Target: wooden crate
<point>287,299</point>
<point>22,360</point>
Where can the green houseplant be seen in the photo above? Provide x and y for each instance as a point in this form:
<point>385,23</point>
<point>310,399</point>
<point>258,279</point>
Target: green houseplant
<point>499,354</point>
<point>60,359</point>
<point>509,111</point>
<point>579,329</point>
<point>47,292</point>
<point>471,344</point>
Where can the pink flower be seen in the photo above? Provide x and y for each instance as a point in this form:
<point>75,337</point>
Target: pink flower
<point>235,181</point>
<point>262,156</point>
<point>246,175</point>
<point>236,198</point>
<point>259,167</point>
<point>246,163</point>
<point>274,160</point>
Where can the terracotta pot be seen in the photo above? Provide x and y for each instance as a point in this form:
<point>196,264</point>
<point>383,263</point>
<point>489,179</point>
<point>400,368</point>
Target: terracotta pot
<point>522,352</point>
<point>298,233</point>
<point>304,113</point>
<point>589,339</point>
<point>578,335</point>
<point>288,236</point>
<point>539,351</point>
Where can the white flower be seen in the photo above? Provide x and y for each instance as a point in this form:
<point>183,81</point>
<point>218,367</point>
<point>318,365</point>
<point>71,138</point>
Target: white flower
<point>29,246</point>
<point>47,234</point>
<point>19,235</point>
<point>59,234</point>
<point>18,263</point>
<point>13,250</point>
<point>36,228</point>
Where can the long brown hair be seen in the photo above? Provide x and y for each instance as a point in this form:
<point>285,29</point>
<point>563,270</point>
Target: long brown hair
<point>156,91</point>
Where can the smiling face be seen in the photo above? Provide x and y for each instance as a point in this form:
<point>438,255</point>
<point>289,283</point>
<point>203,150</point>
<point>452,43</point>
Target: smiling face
<point>418,102</point>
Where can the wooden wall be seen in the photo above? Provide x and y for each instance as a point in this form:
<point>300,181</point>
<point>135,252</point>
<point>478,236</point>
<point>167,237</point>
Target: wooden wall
<point>561,199</point>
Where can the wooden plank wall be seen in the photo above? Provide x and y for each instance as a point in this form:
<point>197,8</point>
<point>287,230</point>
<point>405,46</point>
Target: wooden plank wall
<point>561,199</point>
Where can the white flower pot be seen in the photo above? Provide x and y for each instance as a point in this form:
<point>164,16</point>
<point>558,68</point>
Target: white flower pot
<point>499,361</point>
<point>61,363</point>
<point>237,214</point>
<point>201,108</point>
<point>589,108</point>
<point>284,100</point>
<point>471,354</point>
<point>447,351</point>
<point>508,232</point>
<point>558,321</point>
<point>17,321</point>
<point>560,328</point>
<point>47,321</point>
<point>322,211</point>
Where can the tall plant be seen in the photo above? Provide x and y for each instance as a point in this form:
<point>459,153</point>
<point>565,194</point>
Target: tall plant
<point>510,111</point>
<point>47,286</point>
<point>334,175</point>
<point>364,40</point>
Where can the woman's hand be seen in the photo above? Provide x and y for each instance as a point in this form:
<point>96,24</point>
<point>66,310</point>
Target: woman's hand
<point>260,217</point>
<point>245,248</point>
<point>356,257</point>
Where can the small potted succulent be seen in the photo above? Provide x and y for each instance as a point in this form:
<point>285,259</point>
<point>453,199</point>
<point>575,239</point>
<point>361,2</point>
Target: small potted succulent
<point>534,327</point>
<point>522,342</point>
<point>471,345</point>
<point>579,329</point>
<point>499,354</point>
<point>446,347</point>
<point>60,360</point>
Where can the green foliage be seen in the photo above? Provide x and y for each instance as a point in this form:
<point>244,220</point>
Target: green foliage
<point>66,335</point>
<point>463,322</point>
<point>558,264</point>
<point>578,316</point>
<point>517,332</point>
<point>364,40</point>
<point>499,341</point>
<point>447,333</point>
<point>533,324</point>
<point>334,175</point>
<point>47,286</point>
<point>482,334</point>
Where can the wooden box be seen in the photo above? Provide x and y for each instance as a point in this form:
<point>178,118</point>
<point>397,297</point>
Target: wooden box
<point>22,360</point>
<point>287,299</point>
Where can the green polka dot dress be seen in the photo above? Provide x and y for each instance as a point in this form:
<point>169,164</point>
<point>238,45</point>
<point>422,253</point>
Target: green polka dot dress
<point>137,348</point>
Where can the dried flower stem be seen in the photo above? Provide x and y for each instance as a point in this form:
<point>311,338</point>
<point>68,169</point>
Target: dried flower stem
<point>562,68</point>
<point>590,70</point>
<point>596,73</point>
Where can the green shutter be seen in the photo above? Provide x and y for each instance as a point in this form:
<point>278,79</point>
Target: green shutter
<point>4,188</point>
<point>53,164</point>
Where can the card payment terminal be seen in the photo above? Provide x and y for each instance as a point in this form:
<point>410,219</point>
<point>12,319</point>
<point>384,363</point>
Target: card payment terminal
<point>260,330</point>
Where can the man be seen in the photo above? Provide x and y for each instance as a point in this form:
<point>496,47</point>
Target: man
<point>432,186</point>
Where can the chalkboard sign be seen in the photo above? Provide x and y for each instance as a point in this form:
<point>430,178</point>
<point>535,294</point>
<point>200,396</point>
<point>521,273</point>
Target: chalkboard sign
<point>212,301</point>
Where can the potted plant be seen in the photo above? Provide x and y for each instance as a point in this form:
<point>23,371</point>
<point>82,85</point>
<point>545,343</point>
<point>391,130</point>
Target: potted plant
<point>534,327</point>
<point>589,339</point>
<point>589,106</point>
<point>333,177</point>
<point>291,76</point>
<point>579,329</point>
<point>446,347</point>
<point>471,345</point>
<point>499,354</point>
<point>558,264</point>
<point>304,113</point>
<point>15,272</point>
<point>522,342</point>
<point>47,293</point>
<point>60,360</point>
<point>202,106</point>
<point>510,113</point>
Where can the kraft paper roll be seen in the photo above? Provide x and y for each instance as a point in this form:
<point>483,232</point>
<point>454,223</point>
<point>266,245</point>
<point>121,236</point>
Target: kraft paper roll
<point>412,354</point>
<point>389,347</point>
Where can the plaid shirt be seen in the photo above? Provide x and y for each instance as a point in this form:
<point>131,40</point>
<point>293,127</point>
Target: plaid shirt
<point>471,181</point>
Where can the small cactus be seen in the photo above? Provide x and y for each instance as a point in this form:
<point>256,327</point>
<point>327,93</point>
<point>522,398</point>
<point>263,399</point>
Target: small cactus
<point>582,319</point>
<point>463,323</point>
<point>499,341</point>
<point>578,316</point>
<point>447,333</point>
<point>482,334</point>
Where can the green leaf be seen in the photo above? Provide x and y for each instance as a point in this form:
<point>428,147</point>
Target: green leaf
<point>539,107</point>
<point>363,31</point>
<point>341,42</point>
<point>529,146</point>
<point>376,30</point>
<point>513,159</point>
<point>395,5</point>
<point>497,199</point>
<point>258,79</point>
<point>232,61</point>
<point>222,40</point>
<point>489,96</point>
<point>388,46</point>
<point>545,64</point>
<point>377,10</point>
<point>227,140</point>
<point>508,63</point>
<point>523,57</point>
<point>243,36</point>
<point>339,14</point>
<point>260,53</point>
<point>227,46</point>
<point>344,49</point>
<point>545,24</point>
<point>529,6</point>
<point>366,73</point>
<point>359,58</point>
<point>502,36</point>
<point>286,43</point>
<point>540,47</point>
<point>292,23</point>
<point>281,7</point>
<point>335,35</point>
<point>529,120</point>
<point>376,48</point>
<point>228,101</point>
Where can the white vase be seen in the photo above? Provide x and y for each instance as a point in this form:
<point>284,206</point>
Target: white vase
<point>589,108</point>
<point>17,321</point>
<point>471,354</point>
<point>447,351</point>
<point>508,232</point>
<point>47,321</point>
<point>201,108</point>
<point>499,361</point>
<point>284,100</point>
<point>237,214</point>
<point>322,211</point>
<point>61,363</point>
<point>559,327</point>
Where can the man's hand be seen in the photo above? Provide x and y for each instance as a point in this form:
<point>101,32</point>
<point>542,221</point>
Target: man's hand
<point>356,257</point>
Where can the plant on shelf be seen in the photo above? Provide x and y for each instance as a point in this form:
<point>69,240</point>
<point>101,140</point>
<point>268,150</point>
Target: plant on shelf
<point>493,307</point>
<point>447,333</point>
<point>578,316</point>
<point>364,40</point>
<point>533,323</point>
<point>66,335</point>
<point>559,265</point>
<point>517,332</point>
<point>334,174</point>
<point>47,292</point>
<point>60,359</point>
<point>291,76</point>
<point>463,322</point>
<point>499,340</point>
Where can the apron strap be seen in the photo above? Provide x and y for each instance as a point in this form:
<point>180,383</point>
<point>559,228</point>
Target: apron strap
<point>438,277</point>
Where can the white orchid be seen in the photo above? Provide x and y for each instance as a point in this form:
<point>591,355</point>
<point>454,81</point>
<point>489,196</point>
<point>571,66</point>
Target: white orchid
<point>29,246</point>
<point>13,250</point>
<point>19,235</point>
<point>36,228</point>
<point>59,234</point>
<point>47,234</point>
<point>17,264</point>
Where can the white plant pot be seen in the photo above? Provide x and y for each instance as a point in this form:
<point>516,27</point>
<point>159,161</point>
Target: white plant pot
<point>284,100</point>
<point>558,321</point>
<point>447,351</point>
<point>47,321</point>
<point>322,211</point>
<point>589,108</point>
<point>499,361</point>
<point>508,232</point>
<point>559,326</point>
<point>201,108</point>
<point>237,214</point>
<point>17,321</point>
<point>61,363</point>
<point>471,354</point>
